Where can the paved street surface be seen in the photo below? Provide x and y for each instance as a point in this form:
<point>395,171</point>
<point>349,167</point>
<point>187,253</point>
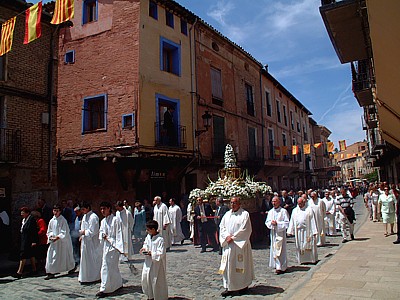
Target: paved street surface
<point>192,275</point>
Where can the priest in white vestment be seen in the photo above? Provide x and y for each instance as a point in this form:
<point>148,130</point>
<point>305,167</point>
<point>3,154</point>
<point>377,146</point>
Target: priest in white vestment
<point>304,228</point>
<point>161,215</point>
<point>126,218</point>
<point>278,222</point>
<point>319,208</point>
<point>154,279</point>
<point>237,266</point>
<point>91,253</point>
<point>330,226</point>
<point>60,257</point>
<point>176,218</point>
<point>110,236</point>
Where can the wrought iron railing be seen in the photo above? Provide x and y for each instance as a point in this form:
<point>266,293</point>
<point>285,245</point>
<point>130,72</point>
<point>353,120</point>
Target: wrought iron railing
<point>170,137</point>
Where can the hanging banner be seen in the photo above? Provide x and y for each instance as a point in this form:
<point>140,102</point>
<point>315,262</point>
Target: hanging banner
<point>331,147</point>
<point>284,150</point>
<point>307,148</point>
<point>33,28</point>
<point>277,152</point>
<point>64,11</point>
<point>295,150</point>
<point>317,145</point>
<point>342,145</point>
<point>7,32</point>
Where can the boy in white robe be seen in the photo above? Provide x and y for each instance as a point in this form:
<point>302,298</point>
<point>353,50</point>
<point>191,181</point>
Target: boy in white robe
<point>91,253</point>
<point>302,225</point>
<point>110,236</point>
<point>278,222</point>
<point>154,279</point>
<point>237,265</point>
<point>127,221</point>
<point>60,257</point>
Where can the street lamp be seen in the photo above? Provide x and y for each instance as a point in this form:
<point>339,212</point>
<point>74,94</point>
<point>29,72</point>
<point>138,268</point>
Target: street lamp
<point>206,123</point>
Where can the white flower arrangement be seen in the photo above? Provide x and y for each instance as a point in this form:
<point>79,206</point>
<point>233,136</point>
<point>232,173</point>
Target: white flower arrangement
<point>196,193</point>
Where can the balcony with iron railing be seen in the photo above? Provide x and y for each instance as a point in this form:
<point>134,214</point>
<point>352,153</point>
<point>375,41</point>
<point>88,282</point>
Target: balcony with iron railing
<point>170,138</point>
<point>10,145</point>
<point>362,81</point>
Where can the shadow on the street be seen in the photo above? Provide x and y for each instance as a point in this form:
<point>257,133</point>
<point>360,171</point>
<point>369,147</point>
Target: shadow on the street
<point>328,246</point>
<point>297,269</point>
<point>265,290</point>
<point>2,281</point>
<point>73,296</point>
<point>178,298</point>
<point>361,239</point>
<point>178,250</point>
<point>127,290</point>
<point>49,290</point>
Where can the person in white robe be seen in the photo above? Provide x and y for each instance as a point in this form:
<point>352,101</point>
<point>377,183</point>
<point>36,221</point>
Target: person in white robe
<point>330,206</point>
<point>110,236</point>
<point>319,208</point>
<point>278,222</point>
<point>154,279</point>
<point>89,268</point>
<point>237,266</point>
<point>190,218</point>
<point>126,218</point>
<point>304,228</point>
<point>176,218</point>
<point>60,257</point>
<point>161,215</point>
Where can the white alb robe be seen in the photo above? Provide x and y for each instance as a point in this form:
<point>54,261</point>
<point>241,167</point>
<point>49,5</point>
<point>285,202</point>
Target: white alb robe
<point>277,252</point>
<point>161,215</point>
<point>237,266</point>
<point>190,218</point>
<point>60,257</point>
<point>91,253</point>
<point>111,279</point>
<point>330,226</point>
<point>302,224</point>
<point>319,209</point>
<point>128,222</point>
<point>176,229</point>
<point>154,279</point>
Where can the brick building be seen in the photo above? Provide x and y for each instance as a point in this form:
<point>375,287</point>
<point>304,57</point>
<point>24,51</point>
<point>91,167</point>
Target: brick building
<point>27,116</point>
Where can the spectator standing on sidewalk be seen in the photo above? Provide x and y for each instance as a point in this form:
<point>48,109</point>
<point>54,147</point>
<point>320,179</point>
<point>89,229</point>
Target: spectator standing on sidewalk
<point>387,207</point>
<point>397,195</point>
<point>347,215</point>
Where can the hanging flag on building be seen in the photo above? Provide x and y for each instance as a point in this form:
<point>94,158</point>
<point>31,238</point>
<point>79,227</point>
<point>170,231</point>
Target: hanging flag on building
<point>331,147</point>
<point>336,156</point>
<point>307,148</point>
<point>277,152</point>
<point>284,150</point>
<point>317,145</point>
<point>7,32</point>
<point>63,11</point>
<point>295,150</point>
<point>348,155</point>
<point>342,145</point>
<point>360,154</point>
<point>33,28</point>
<point>341,155</point>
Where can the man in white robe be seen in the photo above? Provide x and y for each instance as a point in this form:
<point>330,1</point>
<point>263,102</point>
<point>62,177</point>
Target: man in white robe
<point>154,279</point>
<point>330,226</point>
<point>91,253</point>
<point>110,236</point>
<point>161,215</point>
<point>302,225</point>
<point>176,218</point>
<point>237,266</point>
<point>319,208</point>
<point>60,257</point>
<point>128,222</point>
<point>278,222</point>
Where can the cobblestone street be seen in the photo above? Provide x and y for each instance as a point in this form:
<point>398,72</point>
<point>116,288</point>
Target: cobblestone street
<point>190,275</point>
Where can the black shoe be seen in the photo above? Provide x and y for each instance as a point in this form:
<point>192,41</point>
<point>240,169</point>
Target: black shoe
<point>101,295</point>
<point>279,272</point>
<point>72,271</point>
<point>182,242</point>
<point>396,242</point>
<point>17,276</point>
<point>243,291</point>
<point>344,241</point>
<point>202,251</point>
<point>226,293</point>
<point>49,276</point>
<point>352,237</point>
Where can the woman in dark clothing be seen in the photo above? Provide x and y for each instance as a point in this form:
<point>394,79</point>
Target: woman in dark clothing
<point>29,239</point>
<point>41,247</point>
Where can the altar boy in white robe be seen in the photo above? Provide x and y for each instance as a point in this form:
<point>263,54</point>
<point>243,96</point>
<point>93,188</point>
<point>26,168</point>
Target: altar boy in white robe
<point>60,257</point>
<point>91,253</point>
<point>278,222</point>
<point>302,225</point>
<point>154,279</point>
<point>319,208</point>
<point>110,236</point>
<point>237,266</point>
<point>127,221</point>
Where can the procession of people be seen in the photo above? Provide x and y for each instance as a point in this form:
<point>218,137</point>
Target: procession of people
<point>311,218</point>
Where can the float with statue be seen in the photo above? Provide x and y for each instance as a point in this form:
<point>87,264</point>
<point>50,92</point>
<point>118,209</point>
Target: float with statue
<point>232,181</point>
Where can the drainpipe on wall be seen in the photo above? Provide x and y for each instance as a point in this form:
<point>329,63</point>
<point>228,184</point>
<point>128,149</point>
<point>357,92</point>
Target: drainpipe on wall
<point>193,82</point>
<point>262,119</point>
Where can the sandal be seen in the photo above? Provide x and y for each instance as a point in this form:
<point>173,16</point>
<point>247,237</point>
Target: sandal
<point>386,235</point>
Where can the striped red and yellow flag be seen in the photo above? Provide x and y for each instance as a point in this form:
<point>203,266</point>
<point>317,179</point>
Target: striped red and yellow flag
<point>64,11</point>
<point>342,145</point>
<point>33,28</point>
<point>295,150</point>
<point>307,149</point>
<point>331,147</point>
<point>7,32</point>
<point>317,145</point>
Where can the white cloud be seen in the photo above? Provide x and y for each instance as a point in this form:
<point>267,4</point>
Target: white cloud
<point>220,10</point>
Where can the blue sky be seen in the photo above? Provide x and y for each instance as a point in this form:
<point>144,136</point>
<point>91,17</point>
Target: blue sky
<point>289,36</point>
